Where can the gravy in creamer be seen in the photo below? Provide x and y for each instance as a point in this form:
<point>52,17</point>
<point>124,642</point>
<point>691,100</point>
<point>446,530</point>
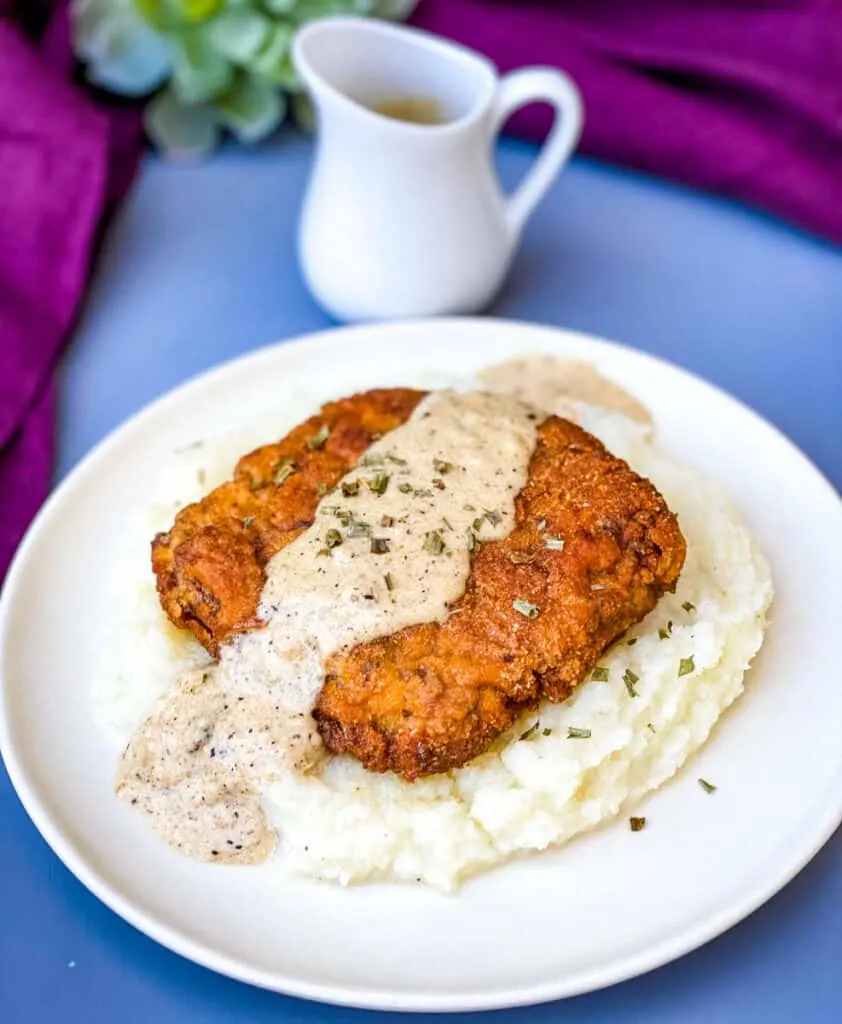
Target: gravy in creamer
<point>389,548</point>
<point>413,109</point>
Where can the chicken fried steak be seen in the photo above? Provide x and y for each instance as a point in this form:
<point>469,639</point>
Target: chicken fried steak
<point>593,548</point>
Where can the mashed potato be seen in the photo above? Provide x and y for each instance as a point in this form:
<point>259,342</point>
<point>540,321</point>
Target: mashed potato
<point>560,771</point>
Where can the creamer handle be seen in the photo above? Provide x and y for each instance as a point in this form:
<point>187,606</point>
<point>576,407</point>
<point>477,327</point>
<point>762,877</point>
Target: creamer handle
<point>546,85</point>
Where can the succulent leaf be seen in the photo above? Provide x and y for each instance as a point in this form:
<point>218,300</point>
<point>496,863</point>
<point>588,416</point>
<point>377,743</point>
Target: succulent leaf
<point>181,131</point>
<point>251,108</point>
<point>199,72</point>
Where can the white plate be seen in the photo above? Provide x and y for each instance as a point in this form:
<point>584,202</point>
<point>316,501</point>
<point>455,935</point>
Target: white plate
<point>597,911</point>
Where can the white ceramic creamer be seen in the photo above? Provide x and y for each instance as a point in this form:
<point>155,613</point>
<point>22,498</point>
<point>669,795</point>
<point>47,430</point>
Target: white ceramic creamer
<point>406,219</point>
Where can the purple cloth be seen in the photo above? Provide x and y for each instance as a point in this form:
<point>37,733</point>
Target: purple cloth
<point>62,162</point>
<point>741,98</point>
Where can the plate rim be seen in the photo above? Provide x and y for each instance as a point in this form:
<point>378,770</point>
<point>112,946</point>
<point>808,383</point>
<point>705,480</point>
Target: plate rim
<point>169,936</point>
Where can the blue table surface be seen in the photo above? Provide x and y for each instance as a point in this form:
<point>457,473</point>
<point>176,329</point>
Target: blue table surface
<point>200,267</point>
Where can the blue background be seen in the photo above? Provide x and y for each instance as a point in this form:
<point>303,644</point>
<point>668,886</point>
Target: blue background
<point>201,267</point>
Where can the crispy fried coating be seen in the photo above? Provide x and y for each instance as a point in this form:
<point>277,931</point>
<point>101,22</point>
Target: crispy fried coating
<point>593,548</point>
<point>433,696</point>
<point>210,564</point>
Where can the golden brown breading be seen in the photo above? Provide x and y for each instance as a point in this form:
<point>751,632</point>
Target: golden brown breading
<point>209,566</point>
<point>433,696</point>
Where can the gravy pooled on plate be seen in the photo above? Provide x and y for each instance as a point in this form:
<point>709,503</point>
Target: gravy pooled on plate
<point>555,383</point>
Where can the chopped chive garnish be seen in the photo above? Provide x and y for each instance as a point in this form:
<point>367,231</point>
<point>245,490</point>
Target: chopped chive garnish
<point>629,678</point>
<point>440,466</point>
<point>322,552</point>
<point>248,520</point>
<point>371,459</point>
<point>423,493</point>
<point>554,543</point>
<point>688,606</point>
<point>257,485</point>
<point>477,524</point>
<point>396,460</point>
<point>447,524</point>
<point>378,483</point>
<point>636,824</point>
<point>546,732</point>
<point>318,440</point>
<point>333,538</point>
<point>708,787</point>
<point>282,469</point>
<point>380,545</point>
<point>532,729</point>
<point>433,543</point>
<point>469,508</point>
<point>578,734</point>
<point>686,666</point>
<point>390,583</point>
<point>631,642</point>
<point>600,674</point>
<point>355,528</point>
<point>522,557</point>
<point>350,488</point>
<point>404,488</point>
<point>494,517</point>
<point>322,490</point>
<point>531,611</point>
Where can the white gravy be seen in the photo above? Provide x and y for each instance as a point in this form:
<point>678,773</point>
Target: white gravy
<point>389,548</point>
<point>556,383</point>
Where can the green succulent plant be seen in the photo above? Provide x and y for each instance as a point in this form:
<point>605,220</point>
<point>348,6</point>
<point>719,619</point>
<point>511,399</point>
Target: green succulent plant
<point>207,65</point>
